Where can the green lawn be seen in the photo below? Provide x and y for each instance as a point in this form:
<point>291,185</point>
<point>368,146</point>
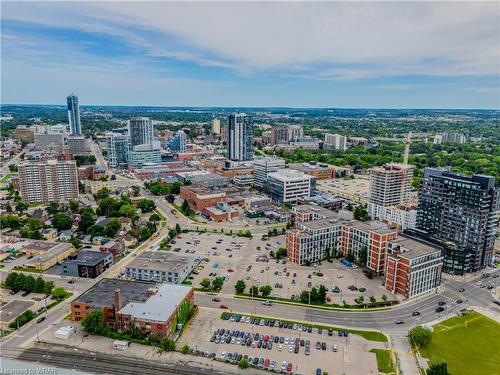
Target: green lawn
<point>470,345</point>
<point>384,361</point>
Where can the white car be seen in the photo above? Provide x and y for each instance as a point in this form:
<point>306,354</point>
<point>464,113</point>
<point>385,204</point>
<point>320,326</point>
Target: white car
<point>280,347</point>
<point>290,349</point>
<point>222,355</point>
<point>272,365</point>
<point>286,340</point>
<point>339,276</point>
<point>233,340</point>
<point>247,320</point>
<point>238,341</point>
<point>283,366</point>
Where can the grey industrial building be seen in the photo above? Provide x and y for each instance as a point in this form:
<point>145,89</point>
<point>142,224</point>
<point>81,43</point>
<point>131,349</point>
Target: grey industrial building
<point>87,264</point>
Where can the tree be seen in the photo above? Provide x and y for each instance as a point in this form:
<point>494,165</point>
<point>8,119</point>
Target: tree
<point>154,218</point>
<point>439,368</point>
<point>217,283</point>
<point>254,290</point>
<point>102,193</point>
<point>185,209</point>
<point>87,219</point>
<point>52,208</point>
<point>39,284</point>
<point>61,222</point>
<point>420,336</point>
<point>304,296</point>
<point>240,286</point>
<point>144,234</point>
<point>29,284</point>
<point>96,230</point>
<point>322,294</point>
<point>178,228</point>
<point>167,344</point>
<point>47,288</point>
<point>384,298</point>
<point>360,300</point>
<point>280,253</point>
<point>185,349</point>
<point>146,205</point>
<point>205,284</point>
<point>11,279</point>
<point>266,290</point>
<point>373,299</point>
<point>75,242</point>
<point>361,214</point>
<point>136,190</point>
<point>363,255</point>
<point>59,293</point>
<point>184,312</point>
<point>21,207</point>
<point>243,363</point>
<point>129,210</point>
<point>112,227</point>
<point>172,233</point>
<point>73,205</point>
<point>93,322</point>
<point>109,206</point>
<point>10,221</point>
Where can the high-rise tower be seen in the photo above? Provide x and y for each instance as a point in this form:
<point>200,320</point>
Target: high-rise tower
<point>74,115</point>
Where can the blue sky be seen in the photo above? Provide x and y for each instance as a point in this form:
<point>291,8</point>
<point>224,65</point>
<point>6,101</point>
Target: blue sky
<point>297,54</point>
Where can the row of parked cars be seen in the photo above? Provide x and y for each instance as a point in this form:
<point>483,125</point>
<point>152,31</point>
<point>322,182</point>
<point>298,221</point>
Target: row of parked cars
<point>278,323</point>
<point>262,363</point>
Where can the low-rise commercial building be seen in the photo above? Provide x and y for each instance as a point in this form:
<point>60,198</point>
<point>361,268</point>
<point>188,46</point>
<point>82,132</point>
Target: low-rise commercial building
<point>46,254</point>
<point>148,307</point>
<point>87,264</point>
<point>413,267</point>
<point>161,267</point>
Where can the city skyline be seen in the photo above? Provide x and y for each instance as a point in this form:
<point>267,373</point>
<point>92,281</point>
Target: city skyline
<point>340,55</point>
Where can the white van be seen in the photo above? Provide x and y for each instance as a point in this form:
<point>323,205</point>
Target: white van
<point>120,345</point>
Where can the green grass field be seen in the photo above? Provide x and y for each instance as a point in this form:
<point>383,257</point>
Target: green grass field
<point>470,345</point>
<point>384,361</point>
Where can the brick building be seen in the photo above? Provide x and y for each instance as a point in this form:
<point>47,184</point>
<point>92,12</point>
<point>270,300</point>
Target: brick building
<point>413,267</point>
<point>149,307</point>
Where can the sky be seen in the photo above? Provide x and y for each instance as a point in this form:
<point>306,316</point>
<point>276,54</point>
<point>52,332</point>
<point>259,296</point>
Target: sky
<point>293,54</point>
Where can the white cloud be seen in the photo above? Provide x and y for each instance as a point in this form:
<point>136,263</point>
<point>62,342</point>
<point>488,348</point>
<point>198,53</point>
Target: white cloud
<point>318,40</point>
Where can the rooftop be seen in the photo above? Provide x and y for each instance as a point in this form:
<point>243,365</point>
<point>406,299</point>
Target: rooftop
<point>415,248</point>
<point>160,306</point>
<point>160,260</point>
<point>102,294</point>
<point>372,225</point>
<point>286,174</point>
<point>87,257</point>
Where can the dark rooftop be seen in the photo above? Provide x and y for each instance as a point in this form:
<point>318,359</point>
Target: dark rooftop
<point>87,257</point>
<point>102,294</point>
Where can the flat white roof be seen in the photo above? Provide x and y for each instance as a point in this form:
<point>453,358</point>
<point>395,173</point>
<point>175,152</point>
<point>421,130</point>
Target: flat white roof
<point>160,306</point>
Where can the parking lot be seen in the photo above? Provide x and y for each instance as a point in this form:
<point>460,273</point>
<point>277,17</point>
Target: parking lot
<point>224,253</point>
<point>234,258</point>
<point>289,280</point>
<point>273,346</point>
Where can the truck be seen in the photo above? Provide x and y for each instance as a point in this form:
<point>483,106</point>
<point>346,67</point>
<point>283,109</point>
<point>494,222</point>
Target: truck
<point>346,263</point>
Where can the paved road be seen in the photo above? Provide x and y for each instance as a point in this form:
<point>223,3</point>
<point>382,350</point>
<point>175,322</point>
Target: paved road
<point>376,320</point>
<point>4,169</point>
<point>96,151</point>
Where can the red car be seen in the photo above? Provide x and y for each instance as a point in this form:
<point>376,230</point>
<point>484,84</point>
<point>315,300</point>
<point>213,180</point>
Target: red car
<point>266,338</point>
<point>223,306</point>
<point>289,367</point>
<point>230,270</point>
<point>266,363</point>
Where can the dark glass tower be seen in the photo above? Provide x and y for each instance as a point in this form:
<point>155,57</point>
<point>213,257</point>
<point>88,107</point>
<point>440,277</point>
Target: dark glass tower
<point>75,127</point>
<point>458,212</point>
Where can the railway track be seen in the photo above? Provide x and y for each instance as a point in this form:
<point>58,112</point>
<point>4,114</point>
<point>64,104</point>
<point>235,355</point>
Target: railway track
<point>100,363</point>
